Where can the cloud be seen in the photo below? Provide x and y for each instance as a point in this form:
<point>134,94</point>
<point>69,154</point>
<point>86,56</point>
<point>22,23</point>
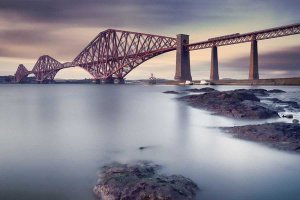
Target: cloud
<point>141,13</point>
<point>62,28</point>
<point>283,62</point>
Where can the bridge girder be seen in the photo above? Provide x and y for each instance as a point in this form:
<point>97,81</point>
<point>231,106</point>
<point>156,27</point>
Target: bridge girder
<point>247,37</point>
<point>46,68</point>
<point>21,73</point>
<point>114,53</point>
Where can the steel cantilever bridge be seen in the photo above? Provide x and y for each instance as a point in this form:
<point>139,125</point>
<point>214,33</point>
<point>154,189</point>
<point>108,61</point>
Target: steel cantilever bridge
<point>114,53</point>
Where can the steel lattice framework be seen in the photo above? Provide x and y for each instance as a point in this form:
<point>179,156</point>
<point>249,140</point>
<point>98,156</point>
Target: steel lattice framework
<point>46,68</point>
<point>247,37</point>
<point>21,73</point>
<point>114,53</point>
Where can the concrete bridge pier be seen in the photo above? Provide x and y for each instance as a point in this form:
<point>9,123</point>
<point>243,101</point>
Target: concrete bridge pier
<point>183,71</point>
<point>119,81</point>
<point>108,80</point>
<point>97,81</point>
<point>253,69</point>
<point>214,66</point>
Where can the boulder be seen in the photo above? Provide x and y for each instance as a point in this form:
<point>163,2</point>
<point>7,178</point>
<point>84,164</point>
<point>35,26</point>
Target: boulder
<point>295,121</point>
<point>289,116</point>
<point>141,181</point>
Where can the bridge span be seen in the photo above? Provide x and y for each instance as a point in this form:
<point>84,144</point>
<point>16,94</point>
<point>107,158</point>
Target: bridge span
<point>112,54</point>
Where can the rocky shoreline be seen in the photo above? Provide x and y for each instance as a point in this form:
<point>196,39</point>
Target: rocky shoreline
<point>141,181</point>
<point>236,103</point>
<point>279,135</point>
<point>247,104</point>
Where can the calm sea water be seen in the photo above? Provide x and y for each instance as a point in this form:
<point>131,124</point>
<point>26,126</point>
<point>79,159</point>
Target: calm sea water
<point>54,138</point>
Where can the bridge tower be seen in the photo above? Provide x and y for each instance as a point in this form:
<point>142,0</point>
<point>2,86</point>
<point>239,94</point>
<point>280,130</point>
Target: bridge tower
<point>253,70</point>
<point>214,66</point>
<point>183,71</point>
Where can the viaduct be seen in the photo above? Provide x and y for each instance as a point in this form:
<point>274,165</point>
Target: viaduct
<point>112,54</point>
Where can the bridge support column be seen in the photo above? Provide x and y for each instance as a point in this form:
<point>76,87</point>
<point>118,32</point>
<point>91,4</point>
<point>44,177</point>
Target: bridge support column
<point>120,81</point>
<point>253,69</point>
<point>97,81</point>
<point>109,80</point>
<point>214,66</point>
<point>183,71</point>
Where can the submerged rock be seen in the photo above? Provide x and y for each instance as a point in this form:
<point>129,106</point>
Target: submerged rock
<point>171,92</point>
<point>145,147</point>
<point>291,104</point>
<point>284,136</point>
<point>236,103</point>
<point>206,89</point>
<point>276,91</point>
<point>141,181</point>
<point>289,116</point>
<point>295,121</point>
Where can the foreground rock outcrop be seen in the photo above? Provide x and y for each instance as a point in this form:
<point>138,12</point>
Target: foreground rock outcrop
<point>284,136</point>
<point>140,181</point>
<point>236,103</point>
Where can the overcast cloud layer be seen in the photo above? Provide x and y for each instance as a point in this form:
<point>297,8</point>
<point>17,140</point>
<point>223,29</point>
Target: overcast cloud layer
<point>30,28</point>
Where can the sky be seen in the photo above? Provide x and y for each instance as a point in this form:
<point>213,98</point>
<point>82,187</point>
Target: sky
<point>62,28</point>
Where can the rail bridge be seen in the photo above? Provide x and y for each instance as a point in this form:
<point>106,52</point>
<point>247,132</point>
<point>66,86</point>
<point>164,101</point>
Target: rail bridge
<point>112,54</point>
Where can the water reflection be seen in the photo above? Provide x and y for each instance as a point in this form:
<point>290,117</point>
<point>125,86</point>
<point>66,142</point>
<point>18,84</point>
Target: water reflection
<point>53,139</point>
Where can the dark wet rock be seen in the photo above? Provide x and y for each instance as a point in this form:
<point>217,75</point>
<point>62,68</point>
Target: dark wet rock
<point>289,116</point>
<point>206,89</point>
<point>171,92</point>
<point>295,121</point>
<point>145,147</point>
<point>141,181</point>
<point>276,91</point>
<point>291,104</point>
<point>284,136</point>
<point>258,92</point>
<point>237,103</point>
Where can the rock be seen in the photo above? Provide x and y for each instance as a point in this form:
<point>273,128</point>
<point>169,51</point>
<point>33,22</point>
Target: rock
<point>291,104</point>
<point>140,181</point>
<point>236,103</point>
<point>276,91</point>
<point>171,92</point>
<point>295,121</point>
<point>258,92</point>
<point>206,89</point>
<point>289,116</point>
<point>145,147</point>
<point>284,136</point>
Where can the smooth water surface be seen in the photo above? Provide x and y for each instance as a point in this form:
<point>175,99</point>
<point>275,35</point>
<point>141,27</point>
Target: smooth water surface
<point>54,138</point>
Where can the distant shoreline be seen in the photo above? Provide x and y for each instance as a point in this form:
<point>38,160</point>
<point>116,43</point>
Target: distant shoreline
<point>275,81</point>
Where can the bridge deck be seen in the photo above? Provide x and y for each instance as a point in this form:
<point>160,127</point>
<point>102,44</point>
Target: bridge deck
<point>247,37</point>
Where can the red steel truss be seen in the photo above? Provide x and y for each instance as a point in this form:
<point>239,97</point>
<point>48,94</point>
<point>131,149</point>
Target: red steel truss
<point>114,53</point>
<point>46,68</point>
<point>247,37</point>
<point>21,73</point>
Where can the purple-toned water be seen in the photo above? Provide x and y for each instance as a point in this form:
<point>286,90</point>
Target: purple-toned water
<point>54,138</point>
